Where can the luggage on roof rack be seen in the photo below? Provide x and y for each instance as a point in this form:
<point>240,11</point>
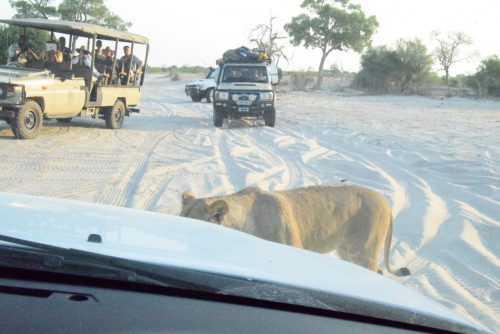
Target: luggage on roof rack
<point>242,55</point>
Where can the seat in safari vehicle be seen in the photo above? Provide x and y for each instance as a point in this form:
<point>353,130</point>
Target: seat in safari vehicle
<point>82,71</point>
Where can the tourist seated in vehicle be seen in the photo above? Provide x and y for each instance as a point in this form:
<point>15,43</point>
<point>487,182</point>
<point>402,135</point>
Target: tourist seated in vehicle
<point>50,58</point>
<point>109,61</point>
<point>99,57</point>
<point>83,59</point>
<point>260,76</point>
<point>52,55</point>
<point>64,49</point>
<point>98,48</point>
<point>19,53</point>
<point>232,76</point>
<point>130,67</point>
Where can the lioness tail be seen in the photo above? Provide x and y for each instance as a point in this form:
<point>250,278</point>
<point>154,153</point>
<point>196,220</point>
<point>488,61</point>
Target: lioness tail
<point>388,238</point>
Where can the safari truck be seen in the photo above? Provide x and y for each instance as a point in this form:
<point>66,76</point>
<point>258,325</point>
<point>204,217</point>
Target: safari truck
<point>245,90</point>
<point>38,90</point>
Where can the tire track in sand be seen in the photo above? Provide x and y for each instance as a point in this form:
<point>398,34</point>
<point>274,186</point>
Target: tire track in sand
<point>122,190</point>
<point>248,160</point>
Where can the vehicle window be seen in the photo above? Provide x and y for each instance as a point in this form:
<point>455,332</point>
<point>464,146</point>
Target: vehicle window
<point>213,74</point>
<point>244,74</point>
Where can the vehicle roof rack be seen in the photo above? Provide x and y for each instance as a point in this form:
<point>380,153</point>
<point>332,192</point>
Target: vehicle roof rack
<point>221,62</point>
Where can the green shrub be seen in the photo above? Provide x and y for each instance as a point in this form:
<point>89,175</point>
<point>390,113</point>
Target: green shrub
<point>486,81</point>
<point>403,69</point>
<point>10,34</point>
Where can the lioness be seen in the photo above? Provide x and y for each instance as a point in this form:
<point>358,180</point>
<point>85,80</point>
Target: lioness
<point>352,220</point>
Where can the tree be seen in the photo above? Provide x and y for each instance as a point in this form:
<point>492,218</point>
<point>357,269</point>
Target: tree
<point>401,69</point>
<point>6,38</point>
<point>447,51</point>
<point>27,9</point>
<point>380,70</point>
<point>416,62</point>
<point>331,25</point>
<point>33,9</point>
<point>91,11</point>
<point>487,77</point>
<point>266,38</point>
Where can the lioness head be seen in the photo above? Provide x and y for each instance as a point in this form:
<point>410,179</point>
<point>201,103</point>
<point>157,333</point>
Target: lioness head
<point>213,211</point>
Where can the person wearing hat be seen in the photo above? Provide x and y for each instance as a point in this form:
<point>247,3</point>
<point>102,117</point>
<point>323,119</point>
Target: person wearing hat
<point>109,63</point>
<point>83,59</point>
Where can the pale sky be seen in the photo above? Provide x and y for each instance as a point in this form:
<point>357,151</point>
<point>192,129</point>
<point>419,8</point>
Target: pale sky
<point>197,32</point>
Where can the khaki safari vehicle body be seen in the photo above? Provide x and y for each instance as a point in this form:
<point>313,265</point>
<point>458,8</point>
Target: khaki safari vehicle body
<point>32,93</point>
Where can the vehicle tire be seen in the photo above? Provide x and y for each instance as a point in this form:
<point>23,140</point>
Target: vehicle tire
<point>64,120</point>
<point>195,99</point>
<point>218,118</point>
<point>114,117</point>
<point>27,122</point>
<point>270,117</point>
<point>210,95</point>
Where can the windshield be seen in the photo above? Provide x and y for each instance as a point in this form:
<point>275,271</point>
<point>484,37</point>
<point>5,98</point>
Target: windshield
<point>363,132</point>
<point>244,74</point>
<point>213,74</point>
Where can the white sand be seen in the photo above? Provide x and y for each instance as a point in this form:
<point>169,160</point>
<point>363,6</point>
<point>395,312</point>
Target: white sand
<point>438,162</point>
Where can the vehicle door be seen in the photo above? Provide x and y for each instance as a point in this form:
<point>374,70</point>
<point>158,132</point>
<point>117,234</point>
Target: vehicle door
<point>69,96</point>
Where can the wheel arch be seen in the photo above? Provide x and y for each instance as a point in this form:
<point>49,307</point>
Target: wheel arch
<point>38,99</point>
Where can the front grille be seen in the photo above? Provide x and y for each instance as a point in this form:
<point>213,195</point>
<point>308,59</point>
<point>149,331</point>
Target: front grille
<point>243,97</point>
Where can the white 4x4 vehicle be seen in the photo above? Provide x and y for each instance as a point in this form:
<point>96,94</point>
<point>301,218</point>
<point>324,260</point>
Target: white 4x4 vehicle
<point>203,88</point>
<point>245,90</point>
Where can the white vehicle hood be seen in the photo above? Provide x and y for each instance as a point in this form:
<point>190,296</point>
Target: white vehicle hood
<point>191,244</point>
<point>203,82</point>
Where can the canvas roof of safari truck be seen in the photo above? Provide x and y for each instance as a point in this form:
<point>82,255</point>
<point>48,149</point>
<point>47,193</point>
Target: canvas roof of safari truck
<point>77,28</point>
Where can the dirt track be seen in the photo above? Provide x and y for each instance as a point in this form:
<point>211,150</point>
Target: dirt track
<point>437,161</point>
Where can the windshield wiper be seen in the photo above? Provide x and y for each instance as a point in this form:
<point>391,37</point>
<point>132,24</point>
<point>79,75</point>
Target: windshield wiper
<point>41,260</point>
<point>74,261</point>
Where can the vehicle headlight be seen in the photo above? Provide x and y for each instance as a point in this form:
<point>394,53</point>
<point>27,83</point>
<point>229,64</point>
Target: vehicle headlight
<point>267,96</point>
<point>11,93</point>
<point>222,95</point>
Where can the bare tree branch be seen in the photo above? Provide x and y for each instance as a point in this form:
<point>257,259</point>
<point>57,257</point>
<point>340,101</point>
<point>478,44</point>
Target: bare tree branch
<point>448,49</point>
<point>265,38</point>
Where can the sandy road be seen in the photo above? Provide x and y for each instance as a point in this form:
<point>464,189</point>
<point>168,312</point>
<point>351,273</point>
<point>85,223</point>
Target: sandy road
<point>437,161</point>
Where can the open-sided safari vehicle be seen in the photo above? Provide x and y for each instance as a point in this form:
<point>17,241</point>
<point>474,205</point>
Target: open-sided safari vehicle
<point>40,90</point>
